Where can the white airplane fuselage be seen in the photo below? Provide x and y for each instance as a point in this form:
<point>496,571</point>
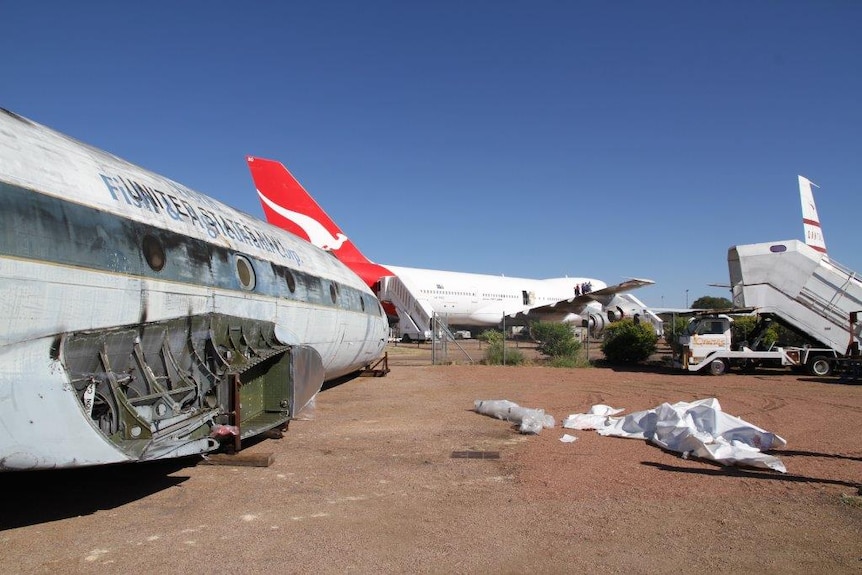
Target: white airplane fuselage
<point>139,315</point>
<point>469,299</point>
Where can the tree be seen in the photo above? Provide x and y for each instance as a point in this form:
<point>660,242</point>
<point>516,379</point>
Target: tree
<point>628,342</point>
<point>710,302</point>
<point>743,326</point>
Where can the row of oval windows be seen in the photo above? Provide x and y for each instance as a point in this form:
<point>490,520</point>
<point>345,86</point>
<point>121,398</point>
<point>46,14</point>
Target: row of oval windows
<point>154,253</point>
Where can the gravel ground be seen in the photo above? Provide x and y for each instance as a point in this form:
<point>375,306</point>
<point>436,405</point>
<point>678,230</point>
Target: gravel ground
<point>366,482</point>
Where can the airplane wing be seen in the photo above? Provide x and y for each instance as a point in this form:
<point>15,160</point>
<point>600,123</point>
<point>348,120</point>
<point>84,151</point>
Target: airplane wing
<point>578,304</point>
<point>691,311</point>
<point>676,310</point>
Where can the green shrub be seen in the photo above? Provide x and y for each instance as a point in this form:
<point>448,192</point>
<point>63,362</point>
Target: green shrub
<point>629,342</point>
<point>672,330</point>
<point>494,354</point>
<point>555,339</point>
<point>490,336</point>
<point>743,328</point>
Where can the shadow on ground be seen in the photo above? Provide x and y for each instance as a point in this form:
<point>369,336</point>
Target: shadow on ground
<point>754,474</point>
<point>33,497</point>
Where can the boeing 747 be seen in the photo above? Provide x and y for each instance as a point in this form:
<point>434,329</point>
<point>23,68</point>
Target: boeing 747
<point>465,299</point>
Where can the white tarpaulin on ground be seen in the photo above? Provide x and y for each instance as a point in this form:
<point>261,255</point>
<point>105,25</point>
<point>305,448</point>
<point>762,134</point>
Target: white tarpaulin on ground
<point>696,428</point>
<point>595,418</point>
<point>528,420</point>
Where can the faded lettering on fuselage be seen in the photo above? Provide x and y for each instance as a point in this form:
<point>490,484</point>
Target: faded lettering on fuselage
<point>180,209</point>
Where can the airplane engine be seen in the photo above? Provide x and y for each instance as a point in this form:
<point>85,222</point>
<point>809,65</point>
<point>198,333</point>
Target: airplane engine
<point>622,307</point>
<point>597,324</point>
<point>616,311</point>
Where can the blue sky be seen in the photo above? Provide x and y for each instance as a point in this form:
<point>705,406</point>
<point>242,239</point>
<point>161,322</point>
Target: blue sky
<point>532,139</point>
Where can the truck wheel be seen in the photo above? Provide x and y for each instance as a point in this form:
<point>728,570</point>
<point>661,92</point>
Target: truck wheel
<point>819,366</point>
<point>717,367</point>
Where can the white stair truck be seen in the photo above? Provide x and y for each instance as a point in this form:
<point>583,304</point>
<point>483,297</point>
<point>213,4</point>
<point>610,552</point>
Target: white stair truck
<point>707,345</point>
<point>794,284</point>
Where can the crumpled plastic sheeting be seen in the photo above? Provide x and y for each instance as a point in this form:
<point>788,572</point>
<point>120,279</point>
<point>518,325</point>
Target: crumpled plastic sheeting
<point>528,420</point>
<point>697,428</point>
<point>595,418</point>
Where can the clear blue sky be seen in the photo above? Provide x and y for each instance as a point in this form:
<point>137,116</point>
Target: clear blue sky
<point>534,139</point>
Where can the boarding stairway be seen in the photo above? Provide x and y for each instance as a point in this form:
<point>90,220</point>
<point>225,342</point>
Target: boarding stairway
<point>414,314</point>
<point>801,287</point>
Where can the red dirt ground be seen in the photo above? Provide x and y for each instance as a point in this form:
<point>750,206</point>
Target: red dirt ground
<point>366,483</point>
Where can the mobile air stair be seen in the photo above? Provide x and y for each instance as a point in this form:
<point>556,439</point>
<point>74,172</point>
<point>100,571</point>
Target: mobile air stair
<point>800,286</point>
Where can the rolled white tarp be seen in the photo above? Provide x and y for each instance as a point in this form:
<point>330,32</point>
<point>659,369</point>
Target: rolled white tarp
<point>528,420</point>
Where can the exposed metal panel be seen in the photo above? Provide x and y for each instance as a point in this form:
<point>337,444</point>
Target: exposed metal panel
<point>307,375</point>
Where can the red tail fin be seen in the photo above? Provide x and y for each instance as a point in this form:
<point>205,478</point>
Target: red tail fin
<point>287,205</point>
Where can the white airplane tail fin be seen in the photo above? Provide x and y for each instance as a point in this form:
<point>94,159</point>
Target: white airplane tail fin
<point>810,219</point>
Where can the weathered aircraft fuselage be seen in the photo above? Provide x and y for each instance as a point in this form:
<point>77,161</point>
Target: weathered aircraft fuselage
<point>140,319</point>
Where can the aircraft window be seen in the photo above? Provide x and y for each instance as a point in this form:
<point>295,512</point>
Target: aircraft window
<point>154,253</point>
<point>245,272</point>
<point>362,302</point>
<point>291,281</point>
<point>333,293</point>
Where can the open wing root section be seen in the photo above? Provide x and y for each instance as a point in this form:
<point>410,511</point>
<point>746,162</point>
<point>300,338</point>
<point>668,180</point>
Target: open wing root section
<point>184,386</point>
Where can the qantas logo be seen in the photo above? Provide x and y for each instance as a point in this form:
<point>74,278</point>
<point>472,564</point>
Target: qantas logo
<point>317,234</point>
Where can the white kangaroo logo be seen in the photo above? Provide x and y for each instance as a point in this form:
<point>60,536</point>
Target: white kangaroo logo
<point>317,234</point>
